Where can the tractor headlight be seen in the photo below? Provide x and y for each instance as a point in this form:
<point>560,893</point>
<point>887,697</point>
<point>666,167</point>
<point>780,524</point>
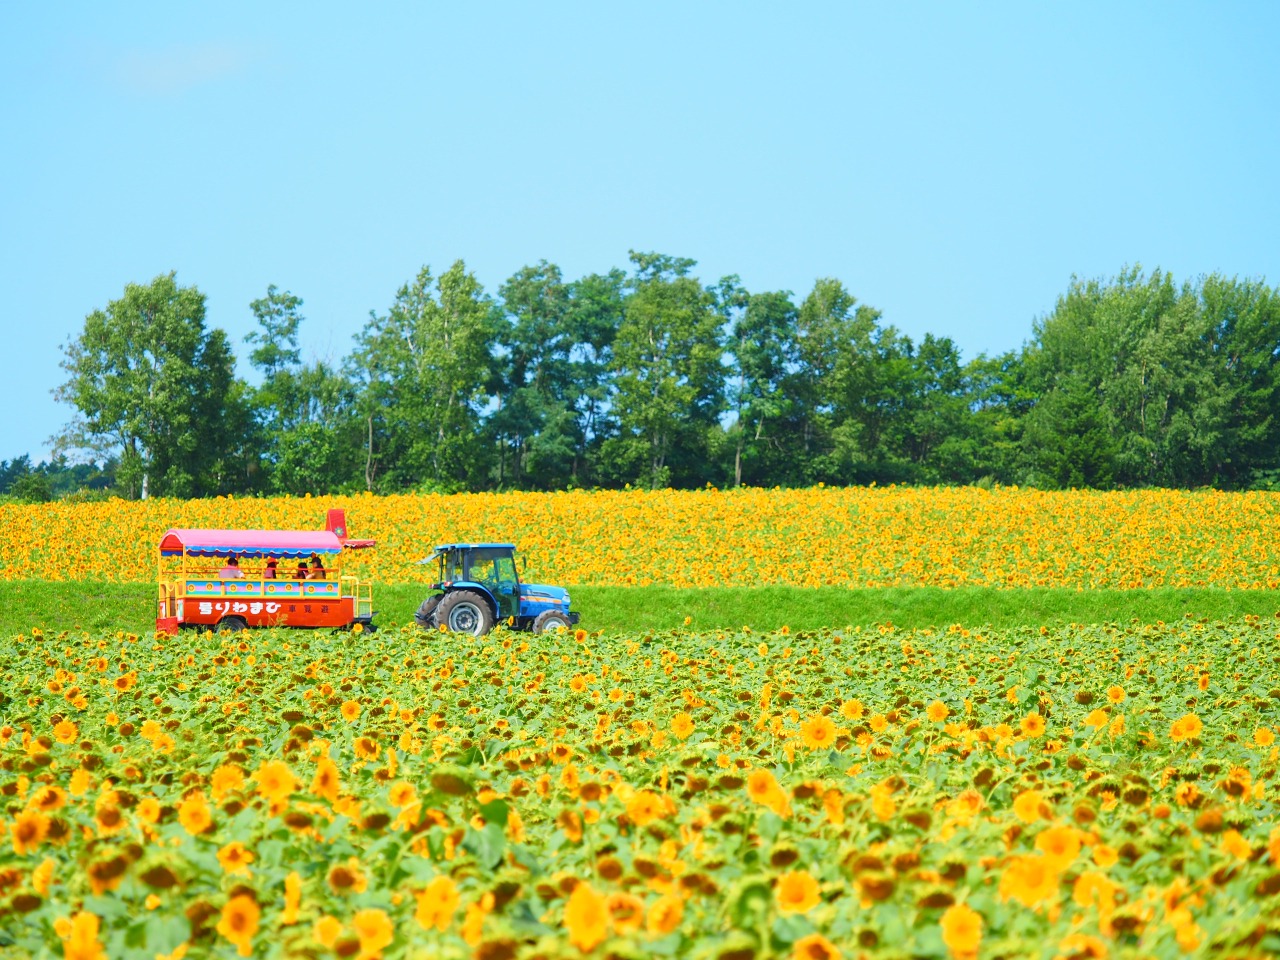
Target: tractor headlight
<point>566,600</point>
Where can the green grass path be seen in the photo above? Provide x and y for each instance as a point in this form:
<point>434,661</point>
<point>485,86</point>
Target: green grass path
<point>114,606</point>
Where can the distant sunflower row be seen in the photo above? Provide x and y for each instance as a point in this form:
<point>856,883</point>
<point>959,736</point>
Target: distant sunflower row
<point>1074,793</point>
<point>857,537</point>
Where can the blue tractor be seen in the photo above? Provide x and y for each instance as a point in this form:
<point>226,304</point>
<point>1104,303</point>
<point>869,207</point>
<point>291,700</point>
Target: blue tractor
<point>479,586</point>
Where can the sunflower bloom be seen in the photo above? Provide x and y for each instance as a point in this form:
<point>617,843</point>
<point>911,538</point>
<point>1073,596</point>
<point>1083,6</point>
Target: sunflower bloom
<point>626,912</point>
<point>763,788</point>
<point>664,916</point>
<point>586,917</point>
<point>42,876</point>
<point>852,710</point>
<point>682,725</point>
<point>1060,846</point>
<point>814,947</point>
<point>819,732</point>
<point>226,779</point>
<point>375,930</point>
<point>239,922</point>
<point>28,830</point>
<point>961,930</point>
<point>194,815</point>
<point>437,904</point>
<point>347,878</point>
<point>80,941</point>
<point>235,859</point>
<point>1235,845</point>
<point>326,931</point>
<point>1029,880</point>
<point>644,807</point>
<point>1187,727</point>
<point>796,892</point>
<point>292,898</point>
<point>1026,805</point>
<point>327,782</point>
<point>275,780</point>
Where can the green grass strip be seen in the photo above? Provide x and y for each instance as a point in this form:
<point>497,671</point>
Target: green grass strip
<point>25,604</point>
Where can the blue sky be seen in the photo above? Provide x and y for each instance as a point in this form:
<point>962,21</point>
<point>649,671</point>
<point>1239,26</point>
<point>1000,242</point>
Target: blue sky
<point>954,164</point>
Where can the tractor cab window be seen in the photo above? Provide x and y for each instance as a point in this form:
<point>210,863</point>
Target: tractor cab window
<point>451,568</point>
<point>506,569</point>
<point>492,567</point>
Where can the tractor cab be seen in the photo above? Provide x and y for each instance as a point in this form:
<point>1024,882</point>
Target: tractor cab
<point>479,585</point>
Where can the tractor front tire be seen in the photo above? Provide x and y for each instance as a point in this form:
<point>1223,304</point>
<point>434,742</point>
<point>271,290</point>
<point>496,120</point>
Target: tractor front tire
<point>549,621</point>
<point>426,613</point>
<point>465,611</point>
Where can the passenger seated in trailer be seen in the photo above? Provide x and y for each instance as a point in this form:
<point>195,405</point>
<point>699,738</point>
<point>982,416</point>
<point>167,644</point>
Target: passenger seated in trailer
<point>231,571</point>
<point>301,572</point>
<point>317,568</point>
<point>270,572</point>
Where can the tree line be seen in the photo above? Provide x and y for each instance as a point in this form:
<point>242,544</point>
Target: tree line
<point>651,377</point>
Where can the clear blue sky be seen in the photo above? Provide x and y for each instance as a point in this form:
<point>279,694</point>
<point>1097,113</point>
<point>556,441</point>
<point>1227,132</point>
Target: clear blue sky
<point>954,164</point>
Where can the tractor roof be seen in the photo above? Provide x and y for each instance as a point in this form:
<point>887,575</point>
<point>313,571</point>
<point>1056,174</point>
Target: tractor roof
<point>441,548</point>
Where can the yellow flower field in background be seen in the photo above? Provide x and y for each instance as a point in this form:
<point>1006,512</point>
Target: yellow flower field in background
<point>1077,793</point>
<point>858,537</point>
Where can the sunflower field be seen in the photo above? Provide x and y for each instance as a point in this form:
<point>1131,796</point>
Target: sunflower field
<point>855,537</point>
<point>1082,792</point>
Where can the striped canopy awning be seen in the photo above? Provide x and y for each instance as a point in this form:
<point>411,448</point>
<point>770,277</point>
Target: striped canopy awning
<point>249,543</point>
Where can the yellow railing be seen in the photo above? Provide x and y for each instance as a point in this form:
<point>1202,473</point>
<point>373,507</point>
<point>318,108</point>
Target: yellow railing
<point>361,591</point>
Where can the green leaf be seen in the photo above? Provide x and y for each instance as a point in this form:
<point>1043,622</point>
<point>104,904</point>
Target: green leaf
<point>495,812</point>
<point>488,846</point>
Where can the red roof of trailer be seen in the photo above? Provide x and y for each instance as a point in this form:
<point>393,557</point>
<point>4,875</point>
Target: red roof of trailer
<point>253,543</point>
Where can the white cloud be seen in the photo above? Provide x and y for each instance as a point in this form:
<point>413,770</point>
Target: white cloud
<point>178,68</point>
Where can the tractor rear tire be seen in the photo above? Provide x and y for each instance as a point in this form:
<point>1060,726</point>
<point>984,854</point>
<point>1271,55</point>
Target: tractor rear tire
<point>550,621</point>
<point>231,624</point>
<point>426,613</point>
<point>465,611</point>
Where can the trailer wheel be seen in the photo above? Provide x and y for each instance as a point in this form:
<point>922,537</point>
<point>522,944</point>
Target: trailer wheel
<point>550,621</point>
<point>231,625</point>
<point>426,613</point>
<point>465,611</point>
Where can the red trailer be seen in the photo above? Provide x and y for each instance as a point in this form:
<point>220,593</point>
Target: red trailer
<point>233,579</point>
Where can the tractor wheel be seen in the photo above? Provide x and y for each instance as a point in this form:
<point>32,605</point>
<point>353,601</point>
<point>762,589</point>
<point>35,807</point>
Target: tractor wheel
<point>231,624</point>
<point>465,611</point>
<point>426,613</point>
<point>550,621</point>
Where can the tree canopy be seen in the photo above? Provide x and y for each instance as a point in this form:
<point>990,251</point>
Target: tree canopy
<point>652,377</point>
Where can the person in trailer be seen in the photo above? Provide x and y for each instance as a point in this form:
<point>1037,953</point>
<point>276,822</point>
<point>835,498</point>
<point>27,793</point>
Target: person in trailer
<point>301,572</point>
<point>317,567</point>
<point>231,570</point>
<point>269,573</point>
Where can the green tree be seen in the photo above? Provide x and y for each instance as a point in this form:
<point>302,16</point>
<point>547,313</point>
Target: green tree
<point>1140,345</point>
<point>305,411</point>
<point>421,372</point>
<point>149,381</point>
<point>1070,438</point>
<point>835,349</point>
<point>762,333</point>
<point>1242,348</point>
<point>534,421</point>
<point>669,379</point>
<point>596,308</point>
